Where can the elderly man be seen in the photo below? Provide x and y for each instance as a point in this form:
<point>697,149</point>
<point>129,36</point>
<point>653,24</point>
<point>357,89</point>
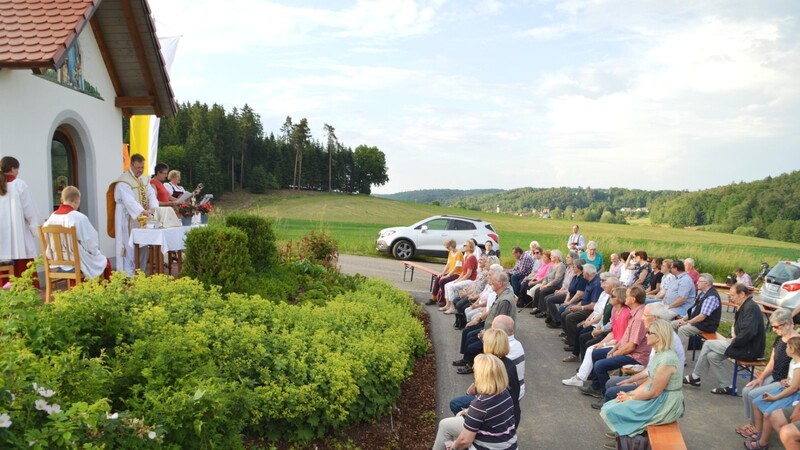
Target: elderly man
<point>704,316</point>
<point>747,344</point>
<point>691,271</point>
<point>632,348</point>
<point>680,291</point>
<point>615,385</point>
<point>576,241</point>
<point>577,313</point>
<point>608,283</point>
<point>93,263</point>
<point>516,355</point>
<point>522,268</point>
<point>133,197</point>
<point>504,304</point>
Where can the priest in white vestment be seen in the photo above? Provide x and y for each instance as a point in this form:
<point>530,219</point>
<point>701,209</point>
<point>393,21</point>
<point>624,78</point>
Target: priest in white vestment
<point>93,263</point>
<point>19,240</point>
<point>133,197</point>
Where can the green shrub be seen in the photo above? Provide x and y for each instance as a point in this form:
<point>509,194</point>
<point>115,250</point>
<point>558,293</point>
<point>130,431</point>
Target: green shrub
<point>194,368</point>
<point>218,256</point>
<point>261,238</point>
<point>319,248</point>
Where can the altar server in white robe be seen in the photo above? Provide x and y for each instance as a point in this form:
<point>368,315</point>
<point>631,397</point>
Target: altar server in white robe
<point>18,218</point>
<point>133,197</point>
<point>93,263</point>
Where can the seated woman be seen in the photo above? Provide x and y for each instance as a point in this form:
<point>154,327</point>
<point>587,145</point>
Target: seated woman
<point>481,300</point>
<point>495,342</point>
<point>658,401</point>
<point>489,421</point>
<point>488,247</point>
<point>93,263</point>
<point>619,322</point>
<point>451,271</point>
<point>777,369</point>
<point>531,283</point>
<point>781,397</point>
<point>469,271</point>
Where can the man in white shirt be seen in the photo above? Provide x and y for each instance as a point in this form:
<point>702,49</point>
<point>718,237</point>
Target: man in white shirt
<point>576,241</point>
<point>133,197</point>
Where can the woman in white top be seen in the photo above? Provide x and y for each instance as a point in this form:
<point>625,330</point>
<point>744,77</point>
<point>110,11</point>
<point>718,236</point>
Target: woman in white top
<point>174,185</point>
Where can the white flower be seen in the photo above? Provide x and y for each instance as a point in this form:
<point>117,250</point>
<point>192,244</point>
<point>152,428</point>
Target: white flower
<point>112,416</point>
<point>35,387</point>
<point>41,405</point>
<point>5,420</point>
<point>151,435</point>
<point>46,393</point>
<point>53,409</point>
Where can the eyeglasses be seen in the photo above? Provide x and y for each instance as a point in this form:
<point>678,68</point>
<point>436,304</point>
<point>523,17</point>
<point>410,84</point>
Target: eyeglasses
<point>650,333</point>
<point>537,253</point>
<point>775,327</point>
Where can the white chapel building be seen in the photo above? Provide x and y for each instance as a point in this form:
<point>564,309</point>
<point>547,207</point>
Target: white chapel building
<point>70,72</point>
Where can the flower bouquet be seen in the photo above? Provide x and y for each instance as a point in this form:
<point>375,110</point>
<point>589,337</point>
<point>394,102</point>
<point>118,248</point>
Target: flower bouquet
<point>186,209</point>
<point>204,208</point>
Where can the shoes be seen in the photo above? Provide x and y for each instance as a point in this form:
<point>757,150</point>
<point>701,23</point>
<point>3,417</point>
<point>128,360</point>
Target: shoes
<point>465,370</point>
<point>610,445</point>
<point>727,390</point>
<point>568,348</point>
<point>450,311</point>
<point>535,311</point>
<point>573,381</point>
<point>571,358</point>
<point>599,405</point>
<point>562,334</point>
<point>460,362</point>
<point>553,326</point>
<point>691,380</point>
<point>591,392</point>
<point>443,308</point>
<point>540,315</point>
<point>611,435</point>
<point>565,340</point>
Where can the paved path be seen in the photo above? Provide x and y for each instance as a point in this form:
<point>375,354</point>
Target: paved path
<point>554,416</point>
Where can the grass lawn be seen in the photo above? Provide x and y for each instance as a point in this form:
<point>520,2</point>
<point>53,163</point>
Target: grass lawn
<point>354,221</point>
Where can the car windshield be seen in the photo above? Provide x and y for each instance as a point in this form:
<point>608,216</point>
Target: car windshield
<point>783,272</point>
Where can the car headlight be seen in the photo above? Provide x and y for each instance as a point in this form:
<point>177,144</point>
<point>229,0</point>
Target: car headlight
<point>386,234</point>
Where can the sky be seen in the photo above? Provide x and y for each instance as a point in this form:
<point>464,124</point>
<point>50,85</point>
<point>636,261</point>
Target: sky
<point>467,94</point>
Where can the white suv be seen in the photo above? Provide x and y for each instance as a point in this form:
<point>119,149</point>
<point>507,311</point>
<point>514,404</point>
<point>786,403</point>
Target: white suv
<point>426,236</point>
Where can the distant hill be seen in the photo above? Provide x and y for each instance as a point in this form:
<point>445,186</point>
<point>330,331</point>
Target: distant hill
<point>767,208</point>
<point>443,196</point>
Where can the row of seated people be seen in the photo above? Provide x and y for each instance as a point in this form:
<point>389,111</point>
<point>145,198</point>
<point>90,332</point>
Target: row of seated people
<point>598,316</point>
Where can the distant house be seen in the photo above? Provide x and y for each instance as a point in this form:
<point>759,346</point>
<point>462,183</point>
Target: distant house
<point>70,71</point>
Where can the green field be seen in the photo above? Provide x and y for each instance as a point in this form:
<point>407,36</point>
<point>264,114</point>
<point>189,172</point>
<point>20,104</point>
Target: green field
<point>354,221</point>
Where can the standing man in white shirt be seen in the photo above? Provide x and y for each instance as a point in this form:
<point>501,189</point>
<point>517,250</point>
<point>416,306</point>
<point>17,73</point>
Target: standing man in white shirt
<point>576,241</point>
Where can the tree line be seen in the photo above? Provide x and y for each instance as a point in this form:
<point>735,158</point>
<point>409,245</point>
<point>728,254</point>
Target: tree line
<point>228,150</point>
<point>768,208</point>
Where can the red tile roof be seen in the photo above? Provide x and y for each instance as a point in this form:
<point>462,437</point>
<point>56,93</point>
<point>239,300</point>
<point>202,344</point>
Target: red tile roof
<point>36,33</point>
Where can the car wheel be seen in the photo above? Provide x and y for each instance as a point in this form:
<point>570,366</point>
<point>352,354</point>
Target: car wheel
<point>403,250</point>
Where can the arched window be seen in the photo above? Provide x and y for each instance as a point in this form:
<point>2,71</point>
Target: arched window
<point>64,163</point>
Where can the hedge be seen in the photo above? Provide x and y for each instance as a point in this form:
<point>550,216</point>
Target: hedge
<point>149,362</point>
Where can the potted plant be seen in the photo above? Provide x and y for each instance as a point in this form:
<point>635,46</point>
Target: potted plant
<point>204,209</point>
<point>186,211</point>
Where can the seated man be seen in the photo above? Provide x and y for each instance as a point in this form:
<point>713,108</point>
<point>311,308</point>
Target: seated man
<point>743,277</point>
<point>522,268</point>
<point>680,292</point>
<point>632,348</point>
<point>704,316</point>
<point>747,344</point>
<point>471,344</point>
<point>577,313</point>
<point>93,263</point>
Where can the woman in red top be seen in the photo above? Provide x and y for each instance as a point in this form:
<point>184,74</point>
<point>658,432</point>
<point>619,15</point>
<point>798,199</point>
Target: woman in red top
<point>468,274</point>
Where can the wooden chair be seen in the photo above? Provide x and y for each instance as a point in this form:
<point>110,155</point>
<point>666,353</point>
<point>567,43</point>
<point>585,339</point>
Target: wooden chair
<point>6,270</point>
<point>60,248</point>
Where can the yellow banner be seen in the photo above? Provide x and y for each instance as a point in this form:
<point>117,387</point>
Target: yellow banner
<point>140,139</point>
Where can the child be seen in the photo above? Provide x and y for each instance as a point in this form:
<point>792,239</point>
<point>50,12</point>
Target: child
<point>781,397</point>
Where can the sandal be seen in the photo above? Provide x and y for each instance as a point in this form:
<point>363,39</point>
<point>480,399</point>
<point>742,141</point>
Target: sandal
<point>746,430</point>
<point>691,380</point>
<point>755,437</point>
<point>755,445</point>
<point>727,390</point>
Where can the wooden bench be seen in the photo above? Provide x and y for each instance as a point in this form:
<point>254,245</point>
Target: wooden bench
<point>705,336</point>
<point>410,266</point>
<point>666,437</point>
<point>748,367</point>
